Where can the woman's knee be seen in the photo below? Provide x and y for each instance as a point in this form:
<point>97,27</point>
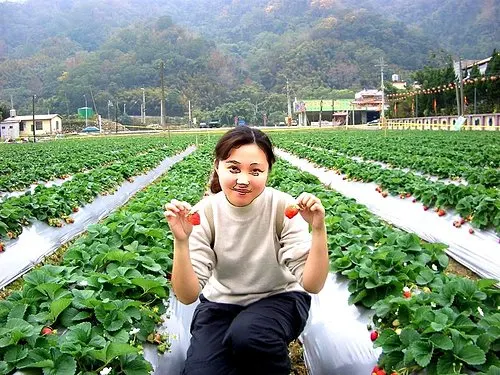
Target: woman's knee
<point>254,336</point>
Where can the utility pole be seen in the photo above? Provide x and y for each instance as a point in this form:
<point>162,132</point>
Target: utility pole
<point>320,111</point>
<point>288,104</point>
<point>34,136</point>
<point>382,87</point>
<point>461,86</point>
<point>116,117</point>
<point>143,106</point>
<point>189,114</point>
<point>85,96</point>
<point>162,105</point>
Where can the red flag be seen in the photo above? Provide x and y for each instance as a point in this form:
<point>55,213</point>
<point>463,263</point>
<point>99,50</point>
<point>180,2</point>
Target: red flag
<point>395,108</point>
<point>434,105</point>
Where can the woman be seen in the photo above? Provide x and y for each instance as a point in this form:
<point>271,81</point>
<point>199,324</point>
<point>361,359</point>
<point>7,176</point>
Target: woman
<point>252,265</point>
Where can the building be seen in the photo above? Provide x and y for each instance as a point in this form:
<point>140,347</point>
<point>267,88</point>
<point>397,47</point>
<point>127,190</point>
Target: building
<point>331,112</point>
<point>365,107</point>
<point>22,126</point>
<point>398,83</point>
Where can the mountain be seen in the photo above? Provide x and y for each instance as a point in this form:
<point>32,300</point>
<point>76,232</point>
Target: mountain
<point>218,51</point>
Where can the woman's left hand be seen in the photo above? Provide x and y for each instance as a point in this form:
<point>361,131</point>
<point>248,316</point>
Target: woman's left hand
<point>312,210</point>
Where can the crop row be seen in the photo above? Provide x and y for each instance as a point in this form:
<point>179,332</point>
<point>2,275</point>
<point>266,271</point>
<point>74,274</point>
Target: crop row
<point>54,204</point>
<point>481,167</point>
<point>475,203</point>
<point>423,318</point>
<point>107,296</point>
<point>25,164</point>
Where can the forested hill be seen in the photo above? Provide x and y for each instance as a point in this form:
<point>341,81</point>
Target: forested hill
<point>214,51</point>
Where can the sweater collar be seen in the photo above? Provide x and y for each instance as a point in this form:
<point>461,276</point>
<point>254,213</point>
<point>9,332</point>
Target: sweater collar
<point>244,212</point>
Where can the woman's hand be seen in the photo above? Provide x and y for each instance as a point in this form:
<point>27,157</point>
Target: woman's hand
<point>176,213</point>
<point>312,210</point>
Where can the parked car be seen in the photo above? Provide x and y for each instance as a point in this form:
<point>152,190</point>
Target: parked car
<point>214,124</point>
<point>90,129</point>
<point>203,125</point>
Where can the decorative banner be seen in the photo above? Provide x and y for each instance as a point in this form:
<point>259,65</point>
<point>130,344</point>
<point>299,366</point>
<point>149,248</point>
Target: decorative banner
<point>442,88</point>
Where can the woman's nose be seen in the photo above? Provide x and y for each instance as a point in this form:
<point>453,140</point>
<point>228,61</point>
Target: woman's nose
<point>242,180</point>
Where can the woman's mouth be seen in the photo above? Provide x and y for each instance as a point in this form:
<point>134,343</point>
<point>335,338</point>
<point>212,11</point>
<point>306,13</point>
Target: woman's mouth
<point>242,191</point>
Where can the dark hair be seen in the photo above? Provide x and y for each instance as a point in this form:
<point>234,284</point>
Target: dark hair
<point>235,138</point>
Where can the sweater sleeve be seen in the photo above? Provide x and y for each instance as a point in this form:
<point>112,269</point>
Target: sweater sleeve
<point>295,242</point>
<point>202,255</point>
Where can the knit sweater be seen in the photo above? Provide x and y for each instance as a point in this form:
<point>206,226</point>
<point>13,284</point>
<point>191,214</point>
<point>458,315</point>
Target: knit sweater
<point>247,260</point>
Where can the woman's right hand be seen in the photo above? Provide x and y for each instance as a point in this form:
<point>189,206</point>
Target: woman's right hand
<point>176,214</point>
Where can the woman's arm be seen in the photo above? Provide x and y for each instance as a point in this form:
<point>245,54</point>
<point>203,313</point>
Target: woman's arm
<point>184,280</point>
<point>317,263</point>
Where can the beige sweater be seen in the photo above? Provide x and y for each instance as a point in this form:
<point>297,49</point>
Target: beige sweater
<point>248,261</point>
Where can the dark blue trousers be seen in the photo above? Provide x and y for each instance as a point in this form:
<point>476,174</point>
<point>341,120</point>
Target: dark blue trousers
<point>239,340</point>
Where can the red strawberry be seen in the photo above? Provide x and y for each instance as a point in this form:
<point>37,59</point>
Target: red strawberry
<point>407,294</point>
<point>384,194</point>
<point>426,208</point>
<point>441,212</point>
<point>75,209</point>
<point>46,331</point>
<point>414,200</point>
<point>471,231</point>
<point>462,221</point>
<point>408,195</point>
<point>291,210</point>
<point>373,335</point>
<point>2,247</point>
<point>194,218</point>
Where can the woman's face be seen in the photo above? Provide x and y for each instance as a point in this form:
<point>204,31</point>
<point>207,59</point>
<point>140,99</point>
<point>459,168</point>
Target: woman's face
<point>243,175</point>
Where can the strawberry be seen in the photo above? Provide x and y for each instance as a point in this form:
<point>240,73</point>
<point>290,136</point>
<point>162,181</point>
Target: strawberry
<point>10,235</point>
<point>471,231</point>
<point>407,294</point>
<point>75,209</point>
<point>408,195</point>
<point>426,208</point>
<point>46,331</point>
<point>384,194</point>
<point>414,200</point>
<point>291,211</point>
<point>194,218</point>
<point>441,212</point>
<point>373,335</point>
<point>2,247</point>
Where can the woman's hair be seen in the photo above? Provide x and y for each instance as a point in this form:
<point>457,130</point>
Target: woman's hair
<point>235,138</point>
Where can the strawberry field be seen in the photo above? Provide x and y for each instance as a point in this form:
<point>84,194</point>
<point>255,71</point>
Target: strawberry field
<point>94,310</point>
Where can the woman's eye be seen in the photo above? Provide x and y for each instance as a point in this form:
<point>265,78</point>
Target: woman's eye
<point>234,169</point>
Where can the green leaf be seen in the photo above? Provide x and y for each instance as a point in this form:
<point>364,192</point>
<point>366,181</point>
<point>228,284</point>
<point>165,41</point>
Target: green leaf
<point>446,364</point>
<point>441,341</point>
<point>472,355</point>
<point>137,367</point>
<point>409,335</point>
<point>49,289</point>
<point>63,365</point>
<point>15,354</point>
<point>17,311</point>
<point>58,306</point>
<point>422,352</point>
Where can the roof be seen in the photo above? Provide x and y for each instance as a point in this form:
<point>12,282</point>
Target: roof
<point>30,117</point>
<point>315,105</point>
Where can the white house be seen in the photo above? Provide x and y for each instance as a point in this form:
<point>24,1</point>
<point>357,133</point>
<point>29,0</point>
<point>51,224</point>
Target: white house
<point>22,126</point>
